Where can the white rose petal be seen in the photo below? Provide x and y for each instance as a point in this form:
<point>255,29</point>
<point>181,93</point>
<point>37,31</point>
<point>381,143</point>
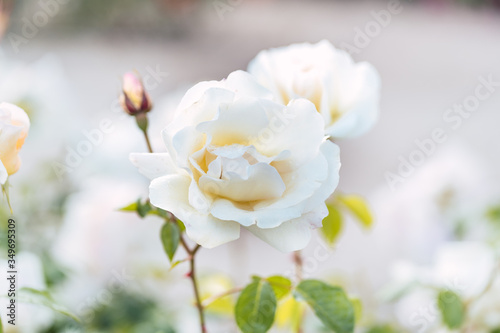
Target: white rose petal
<point>153,165</point>
<point>171,193</point>
<point>345,93</point>
<point>3,174</point>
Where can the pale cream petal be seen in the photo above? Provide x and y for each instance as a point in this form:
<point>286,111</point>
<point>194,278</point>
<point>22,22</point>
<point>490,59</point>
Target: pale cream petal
<point>3,174</point>
<point>298,128</point>
<point>262,183</point>
<point>186,142</point>
<point>154,165</point>
<point>236,123</point>
<point>344,92</point>
<point>172,194</point>
<point>245,84</point>
<point>310,187</point>
<point>360,110</point>
<point>18,116</point>
<point>332,153</point>
<point>245,215</point>
<point>9,137</point>
<point>200,201</point>
<point>290,236</point>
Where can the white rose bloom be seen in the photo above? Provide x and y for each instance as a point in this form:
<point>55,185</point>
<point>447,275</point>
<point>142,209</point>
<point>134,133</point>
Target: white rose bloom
<point>14,126</point>
<point>345,93</point>
<point>237,158</point>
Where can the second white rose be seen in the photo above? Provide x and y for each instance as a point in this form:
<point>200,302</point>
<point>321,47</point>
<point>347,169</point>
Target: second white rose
<point>344,92</point>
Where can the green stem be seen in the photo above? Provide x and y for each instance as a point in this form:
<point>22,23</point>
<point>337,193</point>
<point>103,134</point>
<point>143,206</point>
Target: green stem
<point>142,122</point>
<point>191,252</point>
<point>199,305</point>
<point>148,143</point>
<point>299,265</point>
<point>5,190</point>
<point>299,274</point>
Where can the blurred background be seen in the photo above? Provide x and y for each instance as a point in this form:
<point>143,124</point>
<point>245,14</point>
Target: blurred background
<point>62,61</point>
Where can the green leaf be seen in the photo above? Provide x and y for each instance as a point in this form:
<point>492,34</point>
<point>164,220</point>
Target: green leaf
<point>54,274</point>
<point>358,207</point>
<point>256,307</point>
<point>496,330</point>
<point>181,225</point>
<point>143,209</point>
<point>281,285</point>
<point>452,309</point>
<point>1,326</point>
<point>175,263</point>
<point>332,224</point>
<point>38,297</point>
<point>358,308</point>
<point>493,215</point>
<point>330,304</point>
<point>170,236</point>
<point>129,208</point>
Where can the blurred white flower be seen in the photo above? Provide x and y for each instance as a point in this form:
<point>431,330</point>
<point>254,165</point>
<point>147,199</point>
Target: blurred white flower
<point>14,127</point>
<point>236,158</point>
<point>93,221</point>
<point>423,213</point>
<point>345,93</point>
<point>106,249</point>
<point>466,268</point>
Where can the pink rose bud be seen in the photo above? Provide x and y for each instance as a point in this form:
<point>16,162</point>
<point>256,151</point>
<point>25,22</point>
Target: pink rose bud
<point>134,98</point>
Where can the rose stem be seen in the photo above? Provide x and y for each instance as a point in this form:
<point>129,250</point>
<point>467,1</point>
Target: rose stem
<point>5,190</point>
<point>192,276</point>
<point>147,140</point>
<point>297,259</point>
<point>299,270</point>
<point>191,253</point>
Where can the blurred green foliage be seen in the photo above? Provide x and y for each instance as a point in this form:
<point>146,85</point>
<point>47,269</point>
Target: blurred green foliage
<point>165,17</point>
<point>382,329</point>
<point>128,17</point>
<point>127,313</point>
